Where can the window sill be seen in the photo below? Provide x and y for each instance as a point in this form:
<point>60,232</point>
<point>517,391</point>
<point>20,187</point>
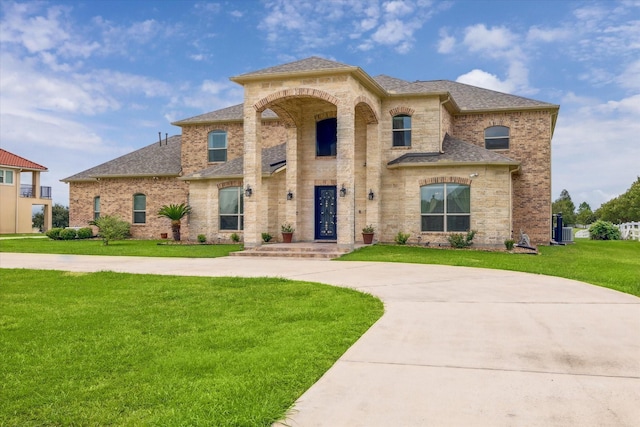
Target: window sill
<point>400,147</point>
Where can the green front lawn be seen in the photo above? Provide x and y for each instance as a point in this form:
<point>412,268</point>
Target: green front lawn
<point>612,264</point>
<point>118,349</point>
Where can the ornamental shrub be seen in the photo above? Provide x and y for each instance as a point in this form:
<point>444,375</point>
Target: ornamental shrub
<point>459,240</point>
<point>54,233</point>
<point>235,237</point>
<point>111,228</point>
<point>266,237</point>
<point>509,244</point>
<point>68,234</point>
<point>401,238</point>
<point>85,233</point>
<point>604,230</point>
<point>202,238</point>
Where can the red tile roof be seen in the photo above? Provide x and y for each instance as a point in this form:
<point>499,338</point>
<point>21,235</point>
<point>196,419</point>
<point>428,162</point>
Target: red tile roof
<point>10,159</point>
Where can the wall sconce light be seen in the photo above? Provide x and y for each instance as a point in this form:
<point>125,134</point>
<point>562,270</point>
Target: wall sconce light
<point>289,195</point>
<point>248,191</point>
<point>343,191</point>
<point>473,175</point>
<point>371,195</point>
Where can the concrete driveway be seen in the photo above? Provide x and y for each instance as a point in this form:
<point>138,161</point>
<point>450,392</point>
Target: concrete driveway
<point>456,346</point>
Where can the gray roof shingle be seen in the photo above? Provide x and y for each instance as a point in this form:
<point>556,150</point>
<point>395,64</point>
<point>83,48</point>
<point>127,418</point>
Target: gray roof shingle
<point>455,151</point>
<point>152,160</point>
<point>273,158</point>
<point>229,114</point>
<point>313,63</point>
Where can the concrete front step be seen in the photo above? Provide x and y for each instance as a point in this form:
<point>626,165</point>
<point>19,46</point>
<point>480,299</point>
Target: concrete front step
<point>295,250</point>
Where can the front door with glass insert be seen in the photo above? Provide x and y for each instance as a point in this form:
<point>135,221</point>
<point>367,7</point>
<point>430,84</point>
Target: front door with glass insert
<point>325,217</point>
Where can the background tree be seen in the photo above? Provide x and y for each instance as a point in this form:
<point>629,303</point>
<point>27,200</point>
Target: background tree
<point>37,220</point>
<point>565,205</point>
<point>585,215</point>
<point>175,213</point>
<point>624,208</point>
<point>59,216</point>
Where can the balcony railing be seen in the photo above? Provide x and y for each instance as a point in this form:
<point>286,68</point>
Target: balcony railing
<point>30,191</point>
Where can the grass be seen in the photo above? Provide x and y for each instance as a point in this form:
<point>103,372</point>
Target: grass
<point>149,248</point>
<point>118,349</point>
<point>611,264</point>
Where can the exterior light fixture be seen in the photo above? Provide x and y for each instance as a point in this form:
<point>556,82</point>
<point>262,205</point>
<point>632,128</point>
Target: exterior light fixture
<point>473,175</point>
<point>371,195</point>
<point>343,191</point>
<point>248,191</point>
<point>289,195</point>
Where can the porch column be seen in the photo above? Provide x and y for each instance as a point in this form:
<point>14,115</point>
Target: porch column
<point>291,207</point>
<point>374,177</point>
<point>345,160</point>
<point>254,204</point>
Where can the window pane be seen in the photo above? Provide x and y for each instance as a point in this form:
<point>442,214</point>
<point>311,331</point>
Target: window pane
<point>432,223</point>
<point>496,131</point>
<point>402,122</point>
<point>228,223</point>
<point>228,201</point>
<point>218,139</point>
<point>402,138</point>
<point>326,137</point>
<point>139,202</point>
<point>96,204</point>
<point>8,177</point>
<point>458,198</point>
<point>139,217</point>
<point>497,143</point>
<point>217,155</point>
<point>432,198</point>
<point>457,222</point>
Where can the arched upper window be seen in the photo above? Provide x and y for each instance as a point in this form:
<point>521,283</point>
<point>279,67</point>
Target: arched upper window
<point>231,208</point>
<point>96,207</point>
<point>139,209</point>
<point>402,130</point>
<point>496,138</point>
<point>326,137</point>
<point>445,207</point>
<point>217,146</point>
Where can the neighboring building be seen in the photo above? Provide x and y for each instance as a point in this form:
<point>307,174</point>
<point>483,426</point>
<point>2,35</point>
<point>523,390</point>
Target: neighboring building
<point>329,149</point>
<point>17,200</point>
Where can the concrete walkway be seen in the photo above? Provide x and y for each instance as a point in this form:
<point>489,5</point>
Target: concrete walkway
<point>456,346</point>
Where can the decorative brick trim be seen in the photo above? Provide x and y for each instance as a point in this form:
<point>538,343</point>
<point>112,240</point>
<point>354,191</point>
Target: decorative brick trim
<point>302,92</point>
<point>363,106</point>
<point>444,180</point>
<point>401,110</point>
<point>226,184</point>
<point>325,182</point>
<point>326,115</point>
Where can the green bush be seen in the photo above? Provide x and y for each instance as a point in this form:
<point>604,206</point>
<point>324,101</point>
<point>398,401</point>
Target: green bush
<point>235,238</point>
<point>266,237</point>
<point>604,230</point>
<point>54,233</point>
<point>111,228</point>
<point>401,238</point>
<point>202,238</point>
<point>68,234</point>
<point>459,240</point>
<point>85,233</point>
<point>509,244</point>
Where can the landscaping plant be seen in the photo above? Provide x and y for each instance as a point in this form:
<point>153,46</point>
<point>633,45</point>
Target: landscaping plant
<point>175,213</point>
<point>111,228</point>
<point>604,230</point>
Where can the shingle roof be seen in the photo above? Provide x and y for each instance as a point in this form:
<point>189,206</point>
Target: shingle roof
<point>15,161</point>
<point>455,151</point>
<point>273,158</point>
<point>313,63</point>
<point>153,160</point>
<point>229,114</point>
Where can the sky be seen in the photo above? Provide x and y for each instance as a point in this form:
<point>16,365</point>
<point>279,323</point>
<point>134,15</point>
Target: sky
<point>85,81</point>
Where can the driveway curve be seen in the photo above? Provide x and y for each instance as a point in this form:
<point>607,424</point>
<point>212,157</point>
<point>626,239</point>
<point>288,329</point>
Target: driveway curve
<point>456,346</point>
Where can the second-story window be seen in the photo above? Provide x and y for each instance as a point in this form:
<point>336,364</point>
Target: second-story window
<point>96,207</point>
<point>496,138</point>
<point>402,130</point>
<point>6,177</point>
<point>326,137</point>
<point>217,146</point>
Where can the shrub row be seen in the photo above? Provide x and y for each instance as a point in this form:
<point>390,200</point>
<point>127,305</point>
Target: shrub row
<point>69,233</point>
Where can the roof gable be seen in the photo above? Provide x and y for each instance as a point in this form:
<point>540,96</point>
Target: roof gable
<point>15,161</point>
<point>313,63</point>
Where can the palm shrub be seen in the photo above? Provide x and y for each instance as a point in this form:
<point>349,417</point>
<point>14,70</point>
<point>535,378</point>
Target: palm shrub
<point>175,213</point>
<point>604,230</point>
<point>111,228</point>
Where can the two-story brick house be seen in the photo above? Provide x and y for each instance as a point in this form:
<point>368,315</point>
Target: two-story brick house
<point>328,148</point>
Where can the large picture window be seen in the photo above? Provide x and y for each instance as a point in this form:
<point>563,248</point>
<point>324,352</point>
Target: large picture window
<point>496,138</point>
<point>217,146</point>
<point>96,207</point>
<point>402,130</point>
<point>139,209</point>
<point>231,201</point>
<point>445,207</point>
<point>326,137</point>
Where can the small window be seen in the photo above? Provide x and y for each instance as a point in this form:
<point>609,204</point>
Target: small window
<point>6,177</point>
<point>218,146</point>
<point>139,209</point>
<point>326,137</point>
<point>96,207</point>
<point>231,201</point>
<point>496,138</point>
<point>402,131</point>
<point>445,207</point>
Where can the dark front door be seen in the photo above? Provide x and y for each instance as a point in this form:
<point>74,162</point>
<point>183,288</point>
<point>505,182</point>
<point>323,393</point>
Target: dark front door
<point>325,219</point>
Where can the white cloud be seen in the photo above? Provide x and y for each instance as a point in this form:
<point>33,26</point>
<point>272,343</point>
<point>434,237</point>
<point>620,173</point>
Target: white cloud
<point>447,43</point>
<point>486,80</point>
<point>630,77</point>
<point>493,41</point>
<point>548,35</point>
